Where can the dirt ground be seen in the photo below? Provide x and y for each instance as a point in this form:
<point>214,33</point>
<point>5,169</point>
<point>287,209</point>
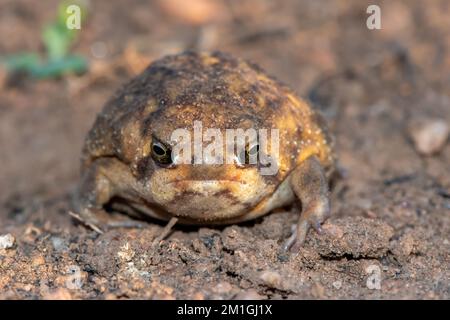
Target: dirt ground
<point>385,93</point>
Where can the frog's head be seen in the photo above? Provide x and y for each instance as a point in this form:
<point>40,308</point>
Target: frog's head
<point>205,165</point>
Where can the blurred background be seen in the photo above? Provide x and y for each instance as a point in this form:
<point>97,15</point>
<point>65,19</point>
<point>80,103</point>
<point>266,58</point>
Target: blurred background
<point>384,92</point>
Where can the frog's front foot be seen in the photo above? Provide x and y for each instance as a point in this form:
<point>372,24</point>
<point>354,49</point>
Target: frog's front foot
<point>311,187</point>
<point>314,215</point>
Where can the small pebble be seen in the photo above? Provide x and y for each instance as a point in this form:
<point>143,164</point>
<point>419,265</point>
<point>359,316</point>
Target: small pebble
<point>126,254</point>
<point>6,241</point>
<point>271,278</point>
<point>430,137</point>
<point>337,284</point>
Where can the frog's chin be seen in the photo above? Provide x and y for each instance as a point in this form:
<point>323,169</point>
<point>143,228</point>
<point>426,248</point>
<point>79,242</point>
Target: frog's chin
<point>211,199</point>
<point>204,213</point>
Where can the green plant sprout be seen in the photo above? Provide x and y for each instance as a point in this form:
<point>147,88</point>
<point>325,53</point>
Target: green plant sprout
<point>57,39</point>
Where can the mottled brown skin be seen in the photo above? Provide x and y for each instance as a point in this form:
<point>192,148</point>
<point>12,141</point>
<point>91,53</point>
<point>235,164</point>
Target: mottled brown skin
<point>223,92</point>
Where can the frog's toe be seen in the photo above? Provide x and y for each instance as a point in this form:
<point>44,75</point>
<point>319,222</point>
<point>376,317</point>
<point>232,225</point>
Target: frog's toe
<point>313,216</point>
<point>317,225</point>
<point>298,236</point>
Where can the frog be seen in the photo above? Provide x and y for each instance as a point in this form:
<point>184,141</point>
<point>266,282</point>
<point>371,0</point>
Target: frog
<point>127,154</point>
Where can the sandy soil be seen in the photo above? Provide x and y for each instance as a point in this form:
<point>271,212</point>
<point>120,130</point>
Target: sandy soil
<point>383,92</point>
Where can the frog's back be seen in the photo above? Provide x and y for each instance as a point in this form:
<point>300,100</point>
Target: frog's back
<point>223,91</point>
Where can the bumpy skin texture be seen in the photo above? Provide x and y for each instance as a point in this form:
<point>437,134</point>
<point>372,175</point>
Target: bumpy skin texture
<point>222,92</point>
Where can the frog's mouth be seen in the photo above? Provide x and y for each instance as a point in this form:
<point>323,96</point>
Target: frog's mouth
<point>205,185</point>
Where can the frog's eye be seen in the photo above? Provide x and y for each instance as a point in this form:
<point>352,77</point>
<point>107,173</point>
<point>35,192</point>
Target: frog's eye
<point>161,153</point>
<point>249,155</point>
